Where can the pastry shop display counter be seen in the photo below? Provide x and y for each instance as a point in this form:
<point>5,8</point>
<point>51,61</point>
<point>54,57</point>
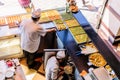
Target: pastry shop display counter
<point>103,46</point>
<point>13,20</point>
<point>84,46</point>
<point>72,31</point>
<point>75,29</point>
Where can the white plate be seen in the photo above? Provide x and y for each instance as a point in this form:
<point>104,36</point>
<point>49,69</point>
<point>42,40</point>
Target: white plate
<point>9,73</point>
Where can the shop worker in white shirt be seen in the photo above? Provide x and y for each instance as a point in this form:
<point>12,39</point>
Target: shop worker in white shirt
<point>31,32</point>
<point>52,66</point>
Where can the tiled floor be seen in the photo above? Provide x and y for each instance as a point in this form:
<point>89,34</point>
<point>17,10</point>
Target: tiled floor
<point>31,74</point>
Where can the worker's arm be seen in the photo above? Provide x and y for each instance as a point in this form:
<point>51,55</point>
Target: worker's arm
<point>50,30</point>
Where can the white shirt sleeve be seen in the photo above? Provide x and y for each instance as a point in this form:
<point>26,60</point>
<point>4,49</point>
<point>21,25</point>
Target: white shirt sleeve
<point>42,31</point>
<point>54,72</point>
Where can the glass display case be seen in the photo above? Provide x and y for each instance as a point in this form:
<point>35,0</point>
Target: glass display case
<point>10,47</point>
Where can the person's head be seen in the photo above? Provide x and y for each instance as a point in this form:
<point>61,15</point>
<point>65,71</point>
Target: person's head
<point>60,55</point>
<point>36,15</point>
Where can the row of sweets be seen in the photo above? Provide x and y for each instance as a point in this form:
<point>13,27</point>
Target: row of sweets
<point>49,15</point>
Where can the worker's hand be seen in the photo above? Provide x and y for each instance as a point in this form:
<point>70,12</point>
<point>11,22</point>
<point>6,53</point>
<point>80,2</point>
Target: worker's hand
<point>53,29</point>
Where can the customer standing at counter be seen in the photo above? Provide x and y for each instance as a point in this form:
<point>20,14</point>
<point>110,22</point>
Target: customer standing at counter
<point>31,33</point>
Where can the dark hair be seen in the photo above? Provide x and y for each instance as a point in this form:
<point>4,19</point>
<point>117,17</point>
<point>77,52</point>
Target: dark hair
<point>35,19</point>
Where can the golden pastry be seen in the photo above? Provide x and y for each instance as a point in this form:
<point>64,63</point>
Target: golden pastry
<point>97,60</point>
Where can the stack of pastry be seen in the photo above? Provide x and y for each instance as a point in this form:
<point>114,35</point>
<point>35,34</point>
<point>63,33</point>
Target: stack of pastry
<point>97,60</point>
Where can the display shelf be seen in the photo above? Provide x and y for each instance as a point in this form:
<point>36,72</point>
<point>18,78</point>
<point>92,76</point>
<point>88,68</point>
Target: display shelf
<point>10,48</point>
<point>104,48</point>
<point>13,19</point>
<point>72,47</point>
<point>81,60</point>
<point>74,27</point>
<point>47,16</point>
